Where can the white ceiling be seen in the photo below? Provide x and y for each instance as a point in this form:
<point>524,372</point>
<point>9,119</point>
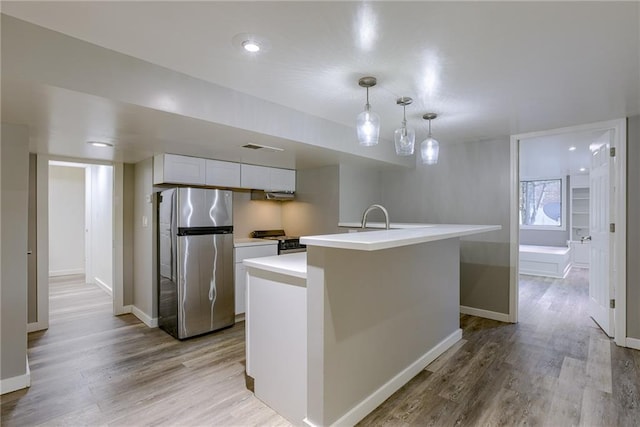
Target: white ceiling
<point>550,156</point>
<point>487,68</point>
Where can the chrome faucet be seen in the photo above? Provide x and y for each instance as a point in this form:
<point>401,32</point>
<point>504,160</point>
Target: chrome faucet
<point>372,207</point>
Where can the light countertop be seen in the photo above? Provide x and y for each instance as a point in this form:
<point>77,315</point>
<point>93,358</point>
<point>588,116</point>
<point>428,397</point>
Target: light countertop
<point>385,239</point>
<point>238,243</point>
<point>393,225</point>
<point>290,264</point>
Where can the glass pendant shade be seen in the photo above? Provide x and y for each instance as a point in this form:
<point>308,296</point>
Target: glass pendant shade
<point>405,139</point>
<point>429,149</point>
<point>368,126</point>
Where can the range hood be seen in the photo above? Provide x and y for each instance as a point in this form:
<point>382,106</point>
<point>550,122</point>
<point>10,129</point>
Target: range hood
<point>281,196</point>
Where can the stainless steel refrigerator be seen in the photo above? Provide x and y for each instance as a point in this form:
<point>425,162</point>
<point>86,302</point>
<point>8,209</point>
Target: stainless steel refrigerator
<point>195,251</point>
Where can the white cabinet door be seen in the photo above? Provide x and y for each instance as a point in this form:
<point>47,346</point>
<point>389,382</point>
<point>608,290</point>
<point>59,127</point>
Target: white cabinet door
<point>174,169</point>
<point>255,251</point>
<point>581,252</point>
<point>241,288</point>
<point>254,177</point>
<point>282,179</point>
<point>222,174</point>
<point>241,254</point>
<point>266,178</point>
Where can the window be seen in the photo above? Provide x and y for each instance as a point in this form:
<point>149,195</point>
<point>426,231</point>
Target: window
<point>541,204</point>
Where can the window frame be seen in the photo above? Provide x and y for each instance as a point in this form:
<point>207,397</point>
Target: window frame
<point>564,205</point>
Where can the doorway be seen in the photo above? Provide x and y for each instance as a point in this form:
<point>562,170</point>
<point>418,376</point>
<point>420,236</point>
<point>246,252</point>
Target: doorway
<point>557,215</point>
<point>102,230</point>
<point>80,223</point>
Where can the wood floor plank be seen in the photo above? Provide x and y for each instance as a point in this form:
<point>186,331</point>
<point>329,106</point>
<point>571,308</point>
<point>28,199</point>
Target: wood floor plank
<point>566,405</point>
<point>626,392</point>
<point>598,408</point>
<point>598,368</point>
<point>465,377</point>
<point>443,359</point>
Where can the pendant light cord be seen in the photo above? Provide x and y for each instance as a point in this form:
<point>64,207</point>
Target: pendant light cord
<point>368,106</point>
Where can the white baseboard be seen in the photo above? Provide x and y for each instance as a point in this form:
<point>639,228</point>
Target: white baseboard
<point>493,315</point>
<point>103,285</point>
<point>68,272</point>
<point>151,322</point>
<point>633,343</point>
<point>126,309</point>
<point>376,398</point>
<point>36,326</point>
<point>16,383</point>
<point>240,317</point>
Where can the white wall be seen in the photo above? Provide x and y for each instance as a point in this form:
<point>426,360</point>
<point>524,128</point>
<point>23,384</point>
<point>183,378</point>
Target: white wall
<point>14,184</point>
<point>128,232</point>
<point>32,243</point>
<point>101,227</point>
<point>66,220</point>
<point>633,227</point>
<point>250,215</point>
<point>542,158</point>
<point>144,243</point>
<point>469,185</point>
<point>360,187</point>
<point>316,207</point>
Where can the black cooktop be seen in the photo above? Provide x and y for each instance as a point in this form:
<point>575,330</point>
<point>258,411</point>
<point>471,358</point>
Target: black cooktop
<point>272,235</point>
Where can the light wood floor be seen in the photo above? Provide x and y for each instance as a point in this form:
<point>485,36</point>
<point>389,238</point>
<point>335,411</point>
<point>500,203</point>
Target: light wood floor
<point>553,368</point>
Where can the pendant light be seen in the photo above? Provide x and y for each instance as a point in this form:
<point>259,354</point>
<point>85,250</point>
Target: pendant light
<point>429,147</point>
<point>368,123</point>
<point>405,138</point>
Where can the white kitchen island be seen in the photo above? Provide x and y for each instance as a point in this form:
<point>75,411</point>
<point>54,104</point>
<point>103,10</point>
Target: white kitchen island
<point>378,307</point>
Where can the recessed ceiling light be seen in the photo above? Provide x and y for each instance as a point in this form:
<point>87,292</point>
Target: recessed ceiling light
<point>251,46</point>
<point>583,169</point>
<point>252,43</point>
<point>572,148</point>
<point>100,144</point>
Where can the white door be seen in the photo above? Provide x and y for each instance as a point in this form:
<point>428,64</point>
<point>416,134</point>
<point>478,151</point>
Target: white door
<point>600,284</point>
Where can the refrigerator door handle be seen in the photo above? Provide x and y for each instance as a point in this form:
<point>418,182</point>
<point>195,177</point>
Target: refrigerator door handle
<point>203,231</point>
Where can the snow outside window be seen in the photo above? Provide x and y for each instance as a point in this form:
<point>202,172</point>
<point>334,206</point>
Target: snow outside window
<point>541,204</point>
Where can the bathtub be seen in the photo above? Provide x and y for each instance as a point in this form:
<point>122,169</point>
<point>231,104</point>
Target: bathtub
<point>550,261</point>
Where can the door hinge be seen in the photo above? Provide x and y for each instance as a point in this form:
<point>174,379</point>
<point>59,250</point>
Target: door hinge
<point>612,227</point>
<point>612,152</point>
<point>612,303</point>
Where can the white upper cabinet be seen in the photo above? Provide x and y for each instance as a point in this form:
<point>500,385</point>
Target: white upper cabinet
<point>282,179</point>
<point>222,174</point>
<point>254,177</point>
<point>269,179</point>
<point>174,169</point>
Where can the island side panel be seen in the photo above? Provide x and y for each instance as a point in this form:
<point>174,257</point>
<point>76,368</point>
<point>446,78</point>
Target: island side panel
<point>277,341</point>
<point>360,305</point>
